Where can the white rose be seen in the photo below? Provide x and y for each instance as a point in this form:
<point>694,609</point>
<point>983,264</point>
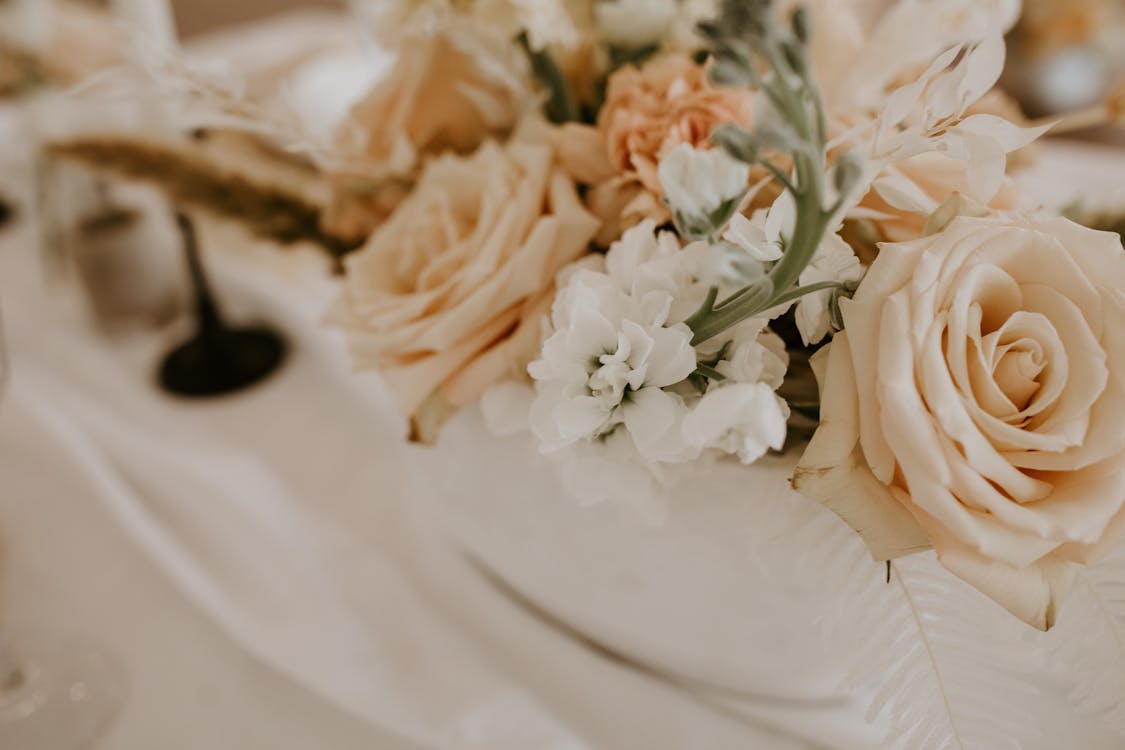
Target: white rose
<point>975,402</point>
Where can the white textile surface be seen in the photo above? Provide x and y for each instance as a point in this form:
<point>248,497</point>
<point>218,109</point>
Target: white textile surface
<point>258,564</point>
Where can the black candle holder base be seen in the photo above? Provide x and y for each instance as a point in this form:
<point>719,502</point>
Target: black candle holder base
<point>219,358</point>
<point>224,362</point>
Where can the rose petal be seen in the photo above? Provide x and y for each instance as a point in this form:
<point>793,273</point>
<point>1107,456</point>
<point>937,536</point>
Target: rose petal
<point>950,414</point>
<point>1033,593</point>
<point>834,471</point>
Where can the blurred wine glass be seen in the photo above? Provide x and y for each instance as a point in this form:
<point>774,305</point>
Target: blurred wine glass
<point>55,693</point>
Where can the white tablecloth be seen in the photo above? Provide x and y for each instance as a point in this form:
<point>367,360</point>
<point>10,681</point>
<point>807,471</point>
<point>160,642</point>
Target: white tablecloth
<point>259,566</point>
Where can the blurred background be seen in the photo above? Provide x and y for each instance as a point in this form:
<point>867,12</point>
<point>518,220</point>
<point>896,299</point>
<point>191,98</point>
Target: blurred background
<point>1063,54</point>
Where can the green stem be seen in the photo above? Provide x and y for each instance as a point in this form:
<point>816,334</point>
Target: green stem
<point>704,310</point>
<point>727,317</point>
<point>778,175</point>
<point>811,222</point>
<point>709,372</point>
<point>799,292</point>
<point>800,105</point>
<point>560,104</point>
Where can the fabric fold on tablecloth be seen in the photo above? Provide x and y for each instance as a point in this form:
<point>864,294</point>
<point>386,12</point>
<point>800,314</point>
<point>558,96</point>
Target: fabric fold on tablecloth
<point>230,536</point>
<point>387,622</point>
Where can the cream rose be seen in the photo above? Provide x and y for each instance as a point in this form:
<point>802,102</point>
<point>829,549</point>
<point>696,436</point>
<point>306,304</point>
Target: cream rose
<point>444,93</point>
<point>976,402</point>
<point>447,295</point>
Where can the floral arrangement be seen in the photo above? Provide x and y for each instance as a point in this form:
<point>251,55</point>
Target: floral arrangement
<point>695,196</point>
<point>636,229</point>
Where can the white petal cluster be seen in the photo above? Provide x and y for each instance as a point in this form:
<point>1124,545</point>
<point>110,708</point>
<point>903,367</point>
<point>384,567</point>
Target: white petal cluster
<point>834,261</point>
<point>760,239</point>
<point>703,187</point>
<point>609,359</point>
<point>929,114</point>
<point>615,396</point>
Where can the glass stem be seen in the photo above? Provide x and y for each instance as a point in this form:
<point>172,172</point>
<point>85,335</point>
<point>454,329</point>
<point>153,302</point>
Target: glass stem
<point>209,320</point>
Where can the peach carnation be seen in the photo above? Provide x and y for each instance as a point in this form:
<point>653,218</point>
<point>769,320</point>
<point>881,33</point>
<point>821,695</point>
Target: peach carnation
<point>648,112</point>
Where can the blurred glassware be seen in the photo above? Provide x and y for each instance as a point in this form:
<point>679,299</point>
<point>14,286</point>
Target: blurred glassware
<point>55,693</point>
<point>125,260</point>
<point>111,247</point>
<point>1065,55</point>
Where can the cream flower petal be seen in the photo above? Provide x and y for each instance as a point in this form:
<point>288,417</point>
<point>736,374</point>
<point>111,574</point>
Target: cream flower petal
<point>1033,593</point>
<point>834,471</point>
<point>954,422</point>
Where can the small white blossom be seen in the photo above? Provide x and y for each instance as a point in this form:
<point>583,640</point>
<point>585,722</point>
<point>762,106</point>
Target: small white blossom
<point>633,24</point>
<point>546,22</point>
<point>752,237</point>
<point>605,367</point>
<point>742,419</point>
<point>615,396</point>
<point>834,261</point>
<point>702,187</point>
<point>754,355</point>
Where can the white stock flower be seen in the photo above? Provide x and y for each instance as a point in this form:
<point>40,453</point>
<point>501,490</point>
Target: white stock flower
<point>643,261</point>
<point>702,187</point>
<point>605,367</point>
<point>742,419</point>
<point>754,355</point>
<point>756,237</point>
<point>633,24</point>
<point>834,261</point>
<point>742,415</point>
<point>613,396</point>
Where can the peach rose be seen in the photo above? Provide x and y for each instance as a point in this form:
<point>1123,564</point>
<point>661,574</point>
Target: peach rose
<point>647,112</point>
<point>438,97</point>
<point>975,402</point>
<point>447,295</point>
